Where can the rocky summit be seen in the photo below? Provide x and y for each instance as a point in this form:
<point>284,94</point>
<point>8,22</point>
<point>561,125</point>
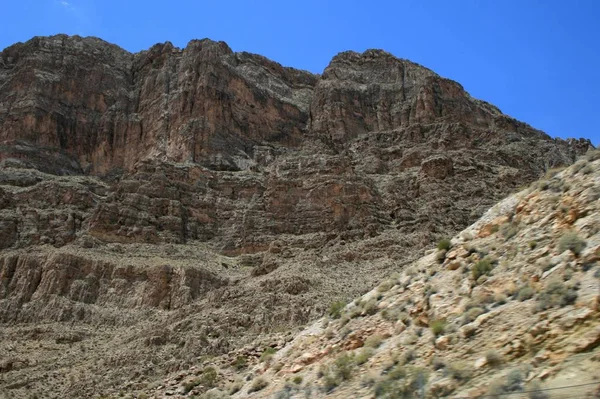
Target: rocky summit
<point>171,218</point>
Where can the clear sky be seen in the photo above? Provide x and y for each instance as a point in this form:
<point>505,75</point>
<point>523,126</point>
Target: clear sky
<point>537,60</point>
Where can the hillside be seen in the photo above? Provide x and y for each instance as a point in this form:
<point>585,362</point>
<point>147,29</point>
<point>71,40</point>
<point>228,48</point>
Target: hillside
<point>509,305</point>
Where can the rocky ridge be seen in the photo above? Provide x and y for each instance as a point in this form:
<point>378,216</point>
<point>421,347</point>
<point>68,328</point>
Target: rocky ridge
<point>174,204</point>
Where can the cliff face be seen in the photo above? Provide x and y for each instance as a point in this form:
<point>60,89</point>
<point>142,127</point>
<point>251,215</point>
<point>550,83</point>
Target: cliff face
<point>209,189</point>
<point>111,108</point>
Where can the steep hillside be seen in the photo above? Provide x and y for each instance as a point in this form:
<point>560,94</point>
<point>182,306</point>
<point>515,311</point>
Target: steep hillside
<point>161,207</point>
<point>509,305</point>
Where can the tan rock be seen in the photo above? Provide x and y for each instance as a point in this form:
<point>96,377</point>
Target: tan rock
<point>442,342</point>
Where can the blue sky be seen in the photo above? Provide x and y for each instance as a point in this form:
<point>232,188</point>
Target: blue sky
<point>538,60</point>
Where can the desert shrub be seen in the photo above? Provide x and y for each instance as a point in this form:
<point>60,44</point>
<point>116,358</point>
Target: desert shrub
<point>374,341</point>
<point>297,380</point>
<point>459,371</point>
<point>493,358</point>
<point>403,383</point>
<point>344,366</point>
<point>330,382</point>
<point>532,244</point>
<point>335,309</point>
<point>341,370</point>
<point>363,356</point>
<point>258,385</point>
<point>234,386</point>
<point>209,376</point>
<point>370,307</point>
<point>444,244</point>
<point>472,314</point>
<point>189,385</point>
<point>240,363</point>
<point>513,382</point>
<point>385,286</point>
<point>483,267</point>
<point>525,293</point>
<point>571,241</point>
<point>438,327</point>
<point>391,314</point>
<point>267,354</point>
<point>407,357</point>
<point>556,293</point>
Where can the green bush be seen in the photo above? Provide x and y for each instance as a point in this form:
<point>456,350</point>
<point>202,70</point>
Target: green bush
<point>370,307</point>
<point>258,385</point>
<point>385,286</point>
<point>374,341</point>
<point>209,377</point>
<point>335,309</point>
<point>444,244</point>
<point>240,363</point>
<point>525,293</point>
<point>363,356</point>
<point>513,382</point>
<point>483,267</point>
<point>297,380</point>
<point>267,354</point>
<point>571,241</point>
<point>459,371</point>
<point>556,293</point>
<point>438,327</point>
<point>344,366</point>
<point>402,383</point>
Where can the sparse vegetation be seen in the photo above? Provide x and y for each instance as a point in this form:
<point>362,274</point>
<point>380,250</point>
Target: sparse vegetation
<point>483,267</point>
<point>369,307</point>
<point>240,363</point>
<point>571,241</point>
<point>402,382</point>
<point>335,309</point>
<point>364,356</point>
<point>374,341</point>
<point>525,293</point>
<point>438,327</point>
<point>459,371</point>
<point>511,383</point>
<point>444,244</point>
<point>556,293</point>
<point>297,379</point>
<point>258,385</point>
<point>385,286</point>
<point>267,354</point>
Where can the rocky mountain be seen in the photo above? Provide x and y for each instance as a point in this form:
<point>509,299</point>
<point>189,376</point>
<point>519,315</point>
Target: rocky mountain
<point>160,207</point>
